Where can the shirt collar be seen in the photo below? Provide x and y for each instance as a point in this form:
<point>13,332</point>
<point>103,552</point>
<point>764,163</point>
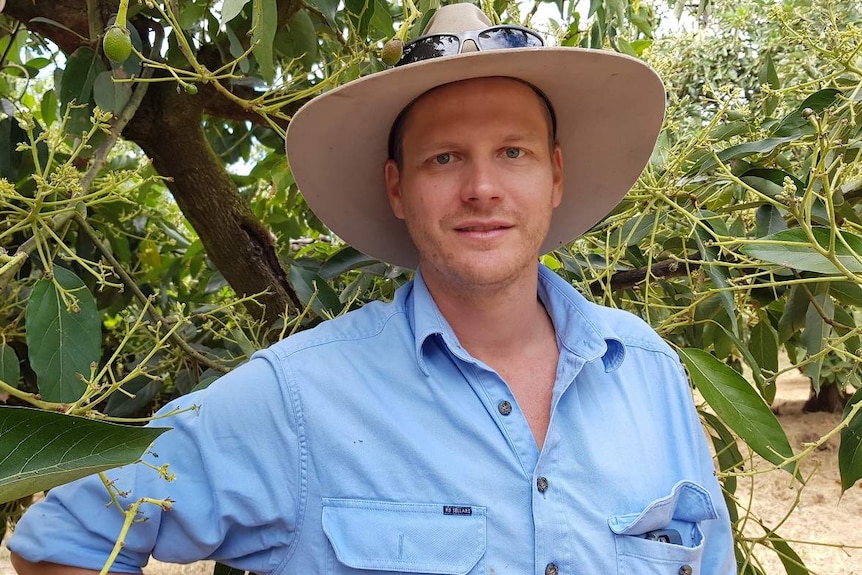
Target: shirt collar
<point>579,324</point>
<point>580,329</point>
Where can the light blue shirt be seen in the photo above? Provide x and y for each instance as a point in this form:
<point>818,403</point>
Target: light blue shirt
<point>375,443</point>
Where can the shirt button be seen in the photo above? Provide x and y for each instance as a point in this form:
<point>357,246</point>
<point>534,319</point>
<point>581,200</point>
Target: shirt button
<point>551,569</point>
<point>504,407</point>
<point>685,570</point>
<point>542,484</point>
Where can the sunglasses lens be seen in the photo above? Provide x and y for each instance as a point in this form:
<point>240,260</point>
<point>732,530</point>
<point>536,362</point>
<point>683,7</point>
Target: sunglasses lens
<point>429,47</point>
<point>505,37</point>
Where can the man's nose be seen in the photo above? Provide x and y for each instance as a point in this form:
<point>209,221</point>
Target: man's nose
<point>482,182</point>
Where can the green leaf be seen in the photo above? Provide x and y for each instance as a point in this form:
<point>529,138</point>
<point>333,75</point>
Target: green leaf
<point>79,76</point>
<point>792,562</point>
<point>625,47</point>
<point>109,95</point>
<point>10,370</point>
<point>359,12</point>
<point>796,251</point>
<point>817,330</point>
<point>640,46</point>
<point>726,450</point>
<point>768,220</point>
<point>767,390</point>
<point>343,261</point>
<point>237,49</point>
<point>850,450</point>
<point>298,39</point>
<point>847,293</point>
<point>141,390</point>
<point>62,342</point>
<point>717,273</point>
<point>763,344</point>
<point>845,325</point>
<point>11,135</point>
<point>729,130</point>
<point>264,23</point>
<point>48,107</point>
<point>766,187</point>
<point>769,75</point>
<point>793,315</point>
<point>596,36</point>
<point>381,20</point>
<point>795,124</point>
<point>43,449</point>
<point>739,406</point>
<point>770,181</point>
<point>329,9</point>
<point>230,9</point>
<point>313,289</point>
<point>634,230</point>
<point>43,20</point>
<point>740,151</point>
<point>191,14</point>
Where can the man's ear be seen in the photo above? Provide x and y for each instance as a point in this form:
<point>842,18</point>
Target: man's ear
<point>392,175</point>
<point>557,167</point>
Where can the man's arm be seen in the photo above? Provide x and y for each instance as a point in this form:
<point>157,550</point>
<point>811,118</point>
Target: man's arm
<point>24,567</point>
<point>239,509</point>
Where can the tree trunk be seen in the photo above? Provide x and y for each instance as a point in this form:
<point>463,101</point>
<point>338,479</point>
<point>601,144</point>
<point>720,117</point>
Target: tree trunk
<point>830,399</point>
<point>168,128</point>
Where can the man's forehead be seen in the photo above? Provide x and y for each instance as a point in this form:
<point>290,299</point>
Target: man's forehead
<point>450,94</point>
<point>454,88</point>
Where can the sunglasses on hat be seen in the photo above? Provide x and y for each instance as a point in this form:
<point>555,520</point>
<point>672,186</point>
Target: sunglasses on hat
<point>449,44</point>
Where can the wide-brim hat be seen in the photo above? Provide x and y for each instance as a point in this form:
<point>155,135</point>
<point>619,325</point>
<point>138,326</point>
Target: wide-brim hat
<point>609,109</point>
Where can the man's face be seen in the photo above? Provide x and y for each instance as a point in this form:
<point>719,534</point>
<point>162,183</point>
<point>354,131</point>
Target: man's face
<point>478,181</point>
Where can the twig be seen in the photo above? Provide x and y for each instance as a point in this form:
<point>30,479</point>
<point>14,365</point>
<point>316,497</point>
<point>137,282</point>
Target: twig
<point>130,283</point>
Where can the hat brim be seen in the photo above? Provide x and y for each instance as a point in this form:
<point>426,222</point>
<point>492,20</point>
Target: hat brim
<point>609,110</point>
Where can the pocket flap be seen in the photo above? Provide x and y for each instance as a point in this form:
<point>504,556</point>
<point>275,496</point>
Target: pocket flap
<point>688,502</point>
<point>405,537</point>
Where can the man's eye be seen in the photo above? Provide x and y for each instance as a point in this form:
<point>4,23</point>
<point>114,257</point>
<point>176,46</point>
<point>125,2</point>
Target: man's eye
<point>442,158</point>
<point>513,152</point>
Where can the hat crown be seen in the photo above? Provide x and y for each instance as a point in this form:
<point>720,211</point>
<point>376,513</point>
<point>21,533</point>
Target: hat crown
<point>453,18</point>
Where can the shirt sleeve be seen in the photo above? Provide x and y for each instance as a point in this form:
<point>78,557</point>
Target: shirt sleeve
<point>237,461</point>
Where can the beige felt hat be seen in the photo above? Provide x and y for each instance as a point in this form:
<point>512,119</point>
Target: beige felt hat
<point>609,109</point>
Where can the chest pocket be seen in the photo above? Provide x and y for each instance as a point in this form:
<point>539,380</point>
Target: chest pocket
<point>665,538</point>
<point>387,537</point>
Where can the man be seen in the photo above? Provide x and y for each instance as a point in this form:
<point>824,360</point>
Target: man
<point>489,419</point>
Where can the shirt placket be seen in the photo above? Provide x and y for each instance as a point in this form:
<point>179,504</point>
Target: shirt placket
<point>553,556</point>
<point>540,469</point>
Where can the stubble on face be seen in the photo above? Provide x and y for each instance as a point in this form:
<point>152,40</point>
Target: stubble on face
<point>479,218</point>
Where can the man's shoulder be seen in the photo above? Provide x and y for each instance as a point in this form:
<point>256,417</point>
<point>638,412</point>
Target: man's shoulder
<point>630,329</point>
<point>375,321</point>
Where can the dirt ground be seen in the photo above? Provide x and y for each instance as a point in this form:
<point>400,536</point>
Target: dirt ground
<point>821,525</point>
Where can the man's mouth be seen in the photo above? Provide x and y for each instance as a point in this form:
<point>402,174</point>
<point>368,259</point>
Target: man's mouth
<point>480,228</point>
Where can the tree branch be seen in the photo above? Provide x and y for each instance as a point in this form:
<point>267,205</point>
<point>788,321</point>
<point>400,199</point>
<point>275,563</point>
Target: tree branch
<point>629,278</point>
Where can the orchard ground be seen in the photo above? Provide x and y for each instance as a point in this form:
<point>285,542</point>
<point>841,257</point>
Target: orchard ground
<point>821,524</point>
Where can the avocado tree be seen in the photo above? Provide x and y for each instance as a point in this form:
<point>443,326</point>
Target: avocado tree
<point>152,236</point>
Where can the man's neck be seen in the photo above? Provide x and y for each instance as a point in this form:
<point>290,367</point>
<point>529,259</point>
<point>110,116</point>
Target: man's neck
<point>497,321</point>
